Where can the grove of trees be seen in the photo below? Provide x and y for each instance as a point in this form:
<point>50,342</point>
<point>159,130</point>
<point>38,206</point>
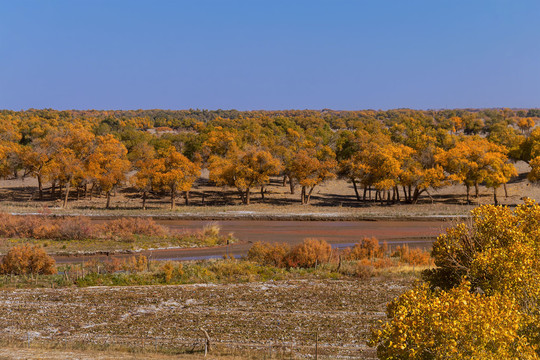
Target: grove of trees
<point>387,156</point>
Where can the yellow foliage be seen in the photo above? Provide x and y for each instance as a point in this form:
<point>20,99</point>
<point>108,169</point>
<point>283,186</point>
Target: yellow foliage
<point>27,259</point>
<point>454,324</point>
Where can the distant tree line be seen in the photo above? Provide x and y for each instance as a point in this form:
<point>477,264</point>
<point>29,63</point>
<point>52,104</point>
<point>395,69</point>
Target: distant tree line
<point>387,156</point>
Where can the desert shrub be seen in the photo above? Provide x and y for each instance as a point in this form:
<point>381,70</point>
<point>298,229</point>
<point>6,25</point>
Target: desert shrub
<point>168,269</point>
<point>456,324</point>
<point>113,265</point>
<point>268,254</point>
<point>367,248</point>
<point>211,230</point>
<point>131,264</point>
<point>383,263</point>
<point>211,236</point>
<point>127,227</point>
<point>414,256</point>
<point>363,269</point>
<point>74,228</point>
<point>309,253</point>
<point>172,270</point>
<point>137,263</point>
<point>27,259</point>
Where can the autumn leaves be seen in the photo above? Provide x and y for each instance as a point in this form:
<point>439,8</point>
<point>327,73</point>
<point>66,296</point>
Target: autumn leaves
<point>481,301</point>
<point>387,156</point>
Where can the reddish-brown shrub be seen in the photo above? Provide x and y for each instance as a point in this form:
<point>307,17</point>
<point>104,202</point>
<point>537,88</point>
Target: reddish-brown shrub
<point>363,269</point>
<point>412,256</point>
<point>383,263</point>
<point>308,254</point>
<point>126,227</point>
<point>268,254</point>
<point>27,259</point>
<point>367,248</point>
<point>131,264</point>
<point>75,228</point>
<point>113,265</point>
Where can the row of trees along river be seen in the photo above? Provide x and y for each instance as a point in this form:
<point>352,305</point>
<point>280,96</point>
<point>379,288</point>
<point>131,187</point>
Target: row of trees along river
<point>400,154</point>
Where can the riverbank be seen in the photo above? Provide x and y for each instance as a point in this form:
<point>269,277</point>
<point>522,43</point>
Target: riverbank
<point>421,212</point>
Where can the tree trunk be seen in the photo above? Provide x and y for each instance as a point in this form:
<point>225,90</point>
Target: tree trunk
<point>40,187</point>
<point>242,197</point>
<point>108,200</point>
<point>416,195</point>
<point>85,191</point>
<point>78,193</point>
<point>495,196</point>
<point>309,194</point>
<point>248,191</point>
<point>476,190</point>
<point>365,190</point>
<point>505,191</point>
<point>284,180</point>
<point>262,193</point>
<point>405,194</point>
<point>396,189</point>
<point>144,200</point>
<point>186,197</point>
<point>303,195</point>
<point>173,197</point>
<point>356,189</point>
<point>291,185</point>
<point>67,194</point>
<point>468,192</point>
<point>53,190</point>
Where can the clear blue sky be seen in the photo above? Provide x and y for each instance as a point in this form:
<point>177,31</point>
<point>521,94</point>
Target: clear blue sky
<point>251,54</point>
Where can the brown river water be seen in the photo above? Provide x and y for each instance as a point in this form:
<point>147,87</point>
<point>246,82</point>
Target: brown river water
<point>339,233</point>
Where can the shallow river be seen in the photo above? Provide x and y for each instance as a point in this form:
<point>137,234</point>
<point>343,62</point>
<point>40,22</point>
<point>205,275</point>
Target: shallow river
<point>338,233</point>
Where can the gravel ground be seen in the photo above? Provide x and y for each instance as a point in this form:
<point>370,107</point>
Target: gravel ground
<point>273,317</point>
